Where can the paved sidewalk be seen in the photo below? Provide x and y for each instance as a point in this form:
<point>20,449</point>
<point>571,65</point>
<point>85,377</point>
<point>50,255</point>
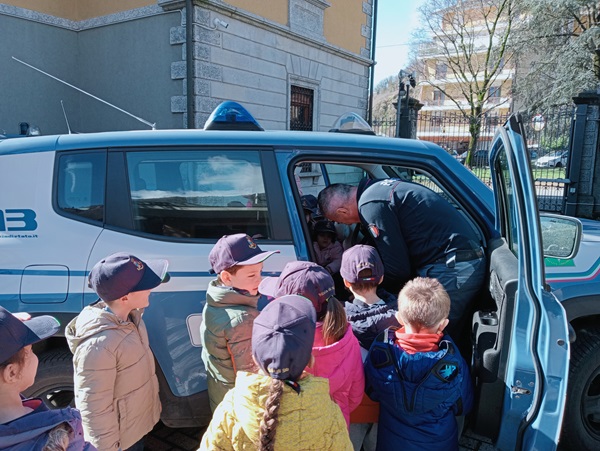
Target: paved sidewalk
<point>163,438</point>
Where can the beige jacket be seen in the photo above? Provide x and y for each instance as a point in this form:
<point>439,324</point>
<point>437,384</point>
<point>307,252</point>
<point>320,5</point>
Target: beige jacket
<point>116,388</point>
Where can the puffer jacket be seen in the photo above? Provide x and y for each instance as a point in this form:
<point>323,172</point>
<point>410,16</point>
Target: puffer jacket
<point>307,421</point>
<point>226,333</point>
<point>116,388</point>
<point>419,394</point>
<point>30,432</point>
<point>368,321</point>
<point>330,257</point>
<point>340,363</point>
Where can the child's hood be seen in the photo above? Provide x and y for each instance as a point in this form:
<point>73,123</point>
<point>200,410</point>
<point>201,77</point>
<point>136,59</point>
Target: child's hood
<point>29,431</point>
<point>92,320</point>
<point>249,401</point>
<point>219,295</point>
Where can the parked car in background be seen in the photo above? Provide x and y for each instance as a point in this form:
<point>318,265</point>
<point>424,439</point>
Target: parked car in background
<point>460,157</point>
<point>480,158</point>
<point>557,159</point>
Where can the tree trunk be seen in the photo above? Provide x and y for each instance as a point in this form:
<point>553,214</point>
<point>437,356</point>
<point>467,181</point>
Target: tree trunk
<point>474,131</point>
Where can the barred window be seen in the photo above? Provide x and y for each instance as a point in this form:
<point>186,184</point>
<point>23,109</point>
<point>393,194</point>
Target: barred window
<point>301,108</point>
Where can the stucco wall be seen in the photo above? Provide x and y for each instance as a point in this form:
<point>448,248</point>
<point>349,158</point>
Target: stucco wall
<point>255,64</point>
<point>346,24</point>
<point>129,64</point>
<point>135,59</point>
<point>28,96</point>
<point>80,9</point>
<point>274,10</point>
<point>126,63</point>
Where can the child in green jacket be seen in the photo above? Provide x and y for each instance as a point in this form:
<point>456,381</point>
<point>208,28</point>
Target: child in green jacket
<point>232,302</point>
<point>281,407</point>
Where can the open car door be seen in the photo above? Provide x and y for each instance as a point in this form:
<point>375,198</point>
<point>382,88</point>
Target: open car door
<point>521,346</point>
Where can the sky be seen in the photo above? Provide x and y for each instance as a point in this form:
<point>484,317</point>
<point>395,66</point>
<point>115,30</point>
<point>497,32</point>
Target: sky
<point>396,20</point>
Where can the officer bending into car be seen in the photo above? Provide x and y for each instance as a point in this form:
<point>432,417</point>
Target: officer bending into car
<point>417,233</point>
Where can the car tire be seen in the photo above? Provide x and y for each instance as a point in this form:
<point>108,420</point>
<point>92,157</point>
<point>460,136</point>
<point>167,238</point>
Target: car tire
<point>558,165</point>
<point>580,429</point>
<point>54,379</point>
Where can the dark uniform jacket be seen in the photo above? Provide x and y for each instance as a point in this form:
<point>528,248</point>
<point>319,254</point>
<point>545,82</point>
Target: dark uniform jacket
<point>411,226</point>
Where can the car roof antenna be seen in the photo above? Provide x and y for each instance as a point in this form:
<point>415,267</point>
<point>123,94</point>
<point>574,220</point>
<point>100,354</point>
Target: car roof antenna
<point>65,115</point>
<point>153,126</point>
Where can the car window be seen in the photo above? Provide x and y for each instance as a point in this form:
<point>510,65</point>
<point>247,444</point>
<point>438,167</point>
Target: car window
<point>192,194</point>
<point>324,174</point>
<point>422,178</point>
<point>508,201</point>
<point>80,185</point>
<point>350,175</point>
<point>321,175</point>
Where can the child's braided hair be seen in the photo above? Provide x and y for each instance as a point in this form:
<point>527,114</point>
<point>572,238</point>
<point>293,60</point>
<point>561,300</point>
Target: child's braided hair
<point>268,425</point>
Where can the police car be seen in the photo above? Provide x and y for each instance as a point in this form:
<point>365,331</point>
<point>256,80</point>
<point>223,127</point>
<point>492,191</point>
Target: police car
<point>69,200</point>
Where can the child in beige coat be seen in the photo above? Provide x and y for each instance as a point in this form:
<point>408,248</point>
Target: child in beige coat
<point>116,387</point>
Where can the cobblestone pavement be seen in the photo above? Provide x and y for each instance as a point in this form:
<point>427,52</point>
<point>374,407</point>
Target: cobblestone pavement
<point>163,438</point>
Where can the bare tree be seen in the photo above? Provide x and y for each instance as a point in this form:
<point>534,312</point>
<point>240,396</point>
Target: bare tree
<point>471,37</point>
<point>559,51</point>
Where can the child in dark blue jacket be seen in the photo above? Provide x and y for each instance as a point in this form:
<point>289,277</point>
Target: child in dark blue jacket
<point>369,315</point>
<point>418,375</point>
<point>372,310</point>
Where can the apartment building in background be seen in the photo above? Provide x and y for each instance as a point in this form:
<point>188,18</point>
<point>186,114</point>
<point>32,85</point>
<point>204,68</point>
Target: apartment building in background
<point>440,119</point>
<point>294,64</point>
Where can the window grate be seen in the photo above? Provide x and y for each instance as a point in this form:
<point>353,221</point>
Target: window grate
<point>301,108</point>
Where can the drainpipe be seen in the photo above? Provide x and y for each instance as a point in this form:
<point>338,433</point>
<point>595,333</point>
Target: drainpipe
<point>372,68</point>
<point>189,61</point>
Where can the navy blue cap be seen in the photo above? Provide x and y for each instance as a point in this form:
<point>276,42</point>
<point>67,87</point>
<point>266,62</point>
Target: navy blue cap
<point>303,278</point>
<point>325,226</point>
<point>309,202</point>
<point>238,249</point>
<point>282,337</point>
<point>120,274</point>
<point>16,334</point>
<point>357,258</point>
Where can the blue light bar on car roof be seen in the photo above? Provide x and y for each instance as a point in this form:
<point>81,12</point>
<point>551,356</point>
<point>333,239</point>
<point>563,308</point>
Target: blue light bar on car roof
<point>231,116</point>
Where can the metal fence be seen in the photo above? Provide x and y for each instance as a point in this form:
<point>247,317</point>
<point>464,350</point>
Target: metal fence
<point>548,135</point>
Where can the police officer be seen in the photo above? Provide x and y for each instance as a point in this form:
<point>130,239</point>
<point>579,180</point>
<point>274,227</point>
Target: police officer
<point>417,233</point>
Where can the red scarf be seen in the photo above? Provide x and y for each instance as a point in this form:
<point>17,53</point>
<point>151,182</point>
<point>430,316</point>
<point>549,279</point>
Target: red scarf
<point>413,343</point>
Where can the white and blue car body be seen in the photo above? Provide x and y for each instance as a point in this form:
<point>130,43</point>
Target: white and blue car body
<point>68,201</point>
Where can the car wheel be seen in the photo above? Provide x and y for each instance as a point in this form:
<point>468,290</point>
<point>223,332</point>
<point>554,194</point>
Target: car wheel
<point>54,379</point>
<point>581,424</point>
<point>558,165</point>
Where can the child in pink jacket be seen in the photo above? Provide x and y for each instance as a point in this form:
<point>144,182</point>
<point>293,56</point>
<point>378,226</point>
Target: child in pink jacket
<point>336,350</point>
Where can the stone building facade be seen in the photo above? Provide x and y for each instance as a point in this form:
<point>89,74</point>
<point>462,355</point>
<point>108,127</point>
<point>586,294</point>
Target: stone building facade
<point>291,63</point>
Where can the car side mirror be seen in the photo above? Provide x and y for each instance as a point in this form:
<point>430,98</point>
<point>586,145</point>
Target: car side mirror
<point>561,236</point>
